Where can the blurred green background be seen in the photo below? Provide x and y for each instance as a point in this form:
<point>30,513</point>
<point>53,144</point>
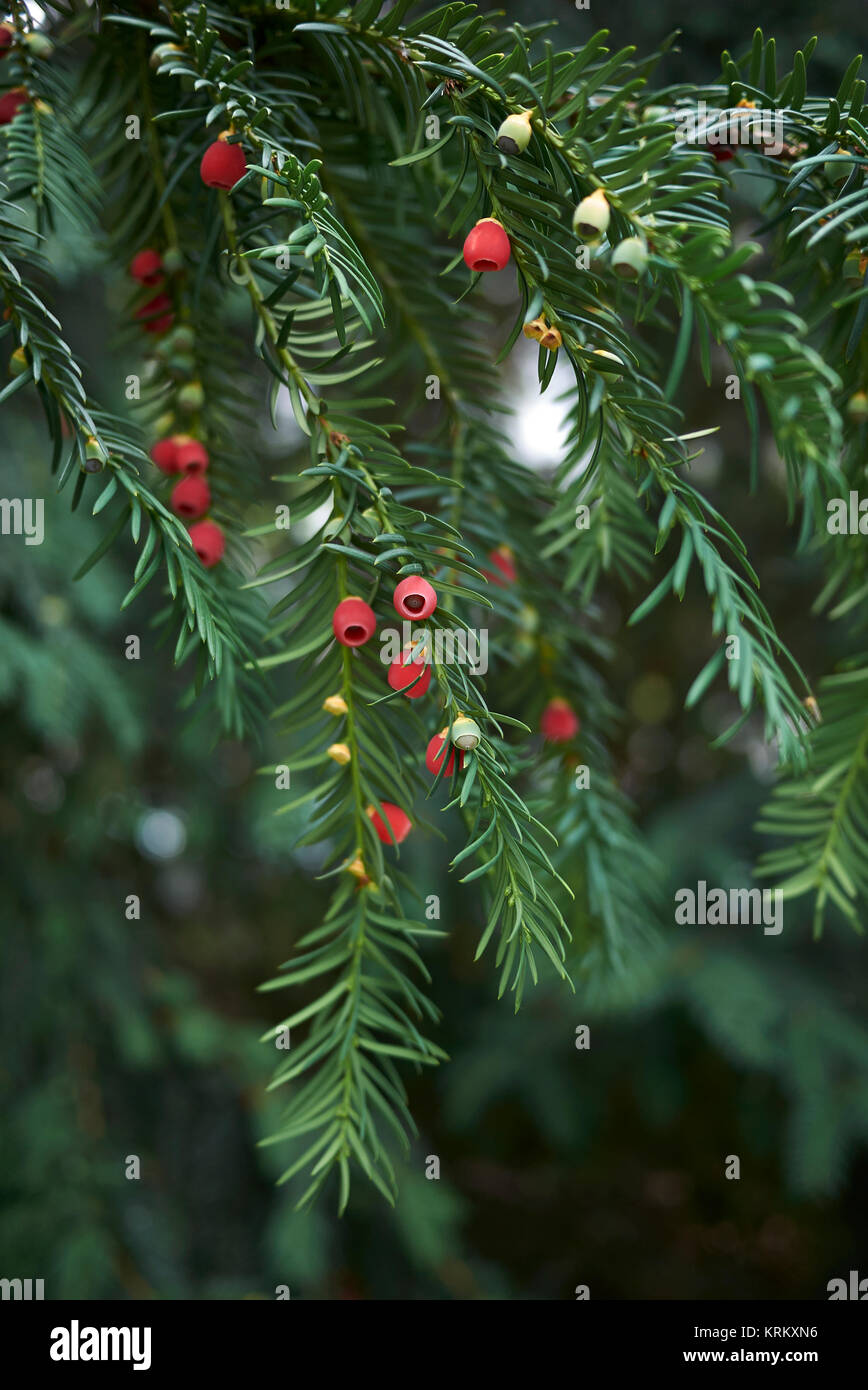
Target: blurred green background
<point>559,1167</point>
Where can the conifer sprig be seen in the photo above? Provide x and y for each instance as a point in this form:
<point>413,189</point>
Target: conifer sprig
<point>334,268</point>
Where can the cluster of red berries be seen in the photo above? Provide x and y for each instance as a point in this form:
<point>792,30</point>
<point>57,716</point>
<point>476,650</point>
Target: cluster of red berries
<point>191,497</point>
<point>157,315</point>
<point>180,453</point>
<point>354,623</point>
<point>222,165</point>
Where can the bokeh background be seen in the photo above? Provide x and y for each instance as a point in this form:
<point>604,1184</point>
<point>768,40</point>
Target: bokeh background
<point>559,1167</point>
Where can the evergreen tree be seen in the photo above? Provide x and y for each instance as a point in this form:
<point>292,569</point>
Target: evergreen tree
<point>304,204</point>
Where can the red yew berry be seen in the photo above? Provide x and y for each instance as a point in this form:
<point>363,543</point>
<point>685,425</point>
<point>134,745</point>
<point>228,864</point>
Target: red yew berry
<point>222,164</point>
<point>400,824</point>
<point>209,542</point>
<point>414,598</point>
<point>165,455</point>
<point>404,673</point>
<point>722,153</point>
<point>147,267</point>
<point>504,564</point>
<point>191,498</point>
<point>192,456</point>
<point>7,34</point>
<point>157,316</point>
<point>487,246</point>
<point>559,722</point>
<point>436,752</point>
<point>11,103</point>
<point>353,622</point>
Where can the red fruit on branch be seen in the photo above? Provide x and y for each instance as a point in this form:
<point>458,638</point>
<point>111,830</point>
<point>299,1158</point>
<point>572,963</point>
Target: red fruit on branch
<point>436,752</point>
<point>191,498</point>
<point>192,456</point>
<point>504,564</point>
<point>404,673</point>
<point>487,246</point>
<point>11,103</point>
<point>147,267</point>
<point>165,455</point>
<point>722,153</point>
<point>7,34</point>
<point>559,722</point>
<point>209,542</point>
<point>222,165</point>
<point>414,598</point>
<point>399,823</point>
<point>353,622</point>
<point>157,316</point>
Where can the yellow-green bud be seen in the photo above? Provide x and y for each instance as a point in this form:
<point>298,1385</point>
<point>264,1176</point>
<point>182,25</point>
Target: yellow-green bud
<point>40,45</point>
<point>528,618</point>
<point>611,357</point>
<point>357,869</point>
<point>191,397</point>
<point>655,113</point>
<point>837,169</point>
<point>163,52</point>
<point>95,456</point>
<point>180,366</point>
<point>182,338</point>
<point>513,135</point>
<point>857,406</point>
<point>18,363</point>
<point>591,218</point>
<point>629,258</point>
<point>466,733</point>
